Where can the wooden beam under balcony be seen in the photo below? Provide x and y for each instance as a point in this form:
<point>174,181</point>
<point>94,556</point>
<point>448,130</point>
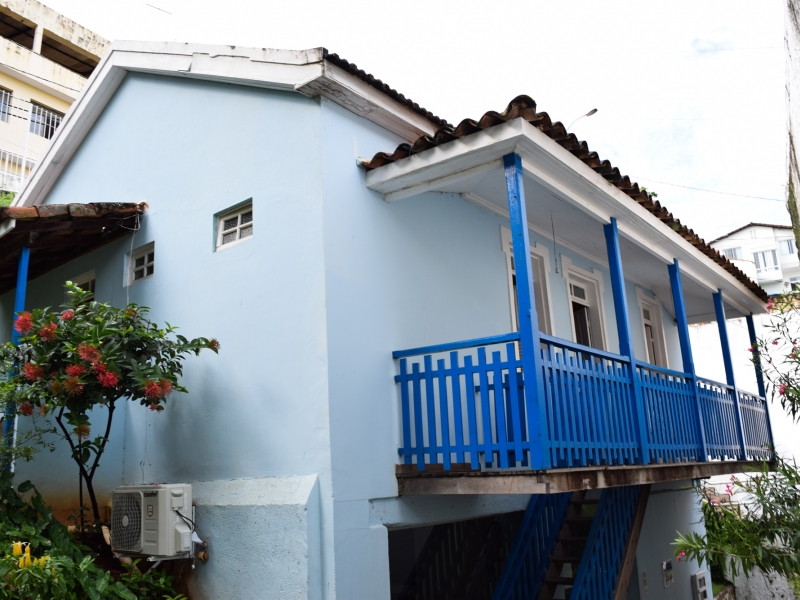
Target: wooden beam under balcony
<point>461,479</point>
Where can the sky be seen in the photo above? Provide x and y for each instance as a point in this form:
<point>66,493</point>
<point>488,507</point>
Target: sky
<point>688,92</point>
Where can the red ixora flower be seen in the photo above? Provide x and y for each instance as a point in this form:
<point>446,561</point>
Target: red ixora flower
<point>24,322</point>
<point>152,390</point>
<point>82,431</point>
<point>681,554</point>
<point>769,305</point>
<point>156,407</point>
<point>48,332</point>
<point>73,386</point>
<point>88,353</point>
<point>774,342</point>
<point>32,372</point>
<point>75,370</point>
<point>67,315</point>
<point>782,389</point>
<point>166,386</point>
<point>107,378</point>
<point>26,409</point>
<point>43,409</point>
<point>751,349</point>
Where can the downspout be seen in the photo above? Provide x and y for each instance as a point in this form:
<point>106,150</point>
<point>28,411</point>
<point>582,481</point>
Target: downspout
<point>9,424</point>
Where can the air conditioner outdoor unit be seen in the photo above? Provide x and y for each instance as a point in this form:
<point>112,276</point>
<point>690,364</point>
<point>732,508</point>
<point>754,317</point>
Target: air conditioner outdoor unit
<point>152,520</point>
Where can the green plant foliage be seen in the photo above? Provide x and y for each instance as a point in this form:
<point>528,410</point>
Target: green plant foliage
<point>41,560</point>
<point>90,355</point>
<point>6,198</point>
<point>762,530</point>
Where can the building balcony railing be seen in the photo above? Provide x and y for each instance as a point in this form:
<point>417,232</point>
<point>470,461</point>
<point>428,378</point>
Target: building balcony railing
<point>468,402</point>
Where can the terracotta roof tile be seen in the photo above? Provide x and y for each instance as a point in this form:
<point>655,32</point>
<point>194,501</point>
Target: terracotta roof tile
<point>525,107</point>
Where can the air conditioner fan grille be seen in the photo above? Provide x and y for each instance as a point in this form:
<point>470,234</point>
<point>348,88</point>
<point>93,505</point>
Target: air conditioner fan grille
<point>126,521</point>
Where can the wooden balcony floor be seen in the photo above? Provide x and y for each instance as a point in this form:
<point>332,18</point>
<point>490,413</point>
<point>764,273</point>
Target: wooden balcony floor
<point>461,479</point>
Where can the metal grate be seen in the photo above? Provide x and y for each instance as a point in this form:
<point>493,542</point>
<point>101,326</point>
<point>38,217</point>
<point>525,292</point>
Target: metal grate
<point>126,521</point>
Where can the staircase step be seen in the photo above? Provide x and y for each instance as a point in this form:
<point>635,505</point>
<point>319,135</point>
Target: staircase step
<point>560,580</point>
<point>566,559</point>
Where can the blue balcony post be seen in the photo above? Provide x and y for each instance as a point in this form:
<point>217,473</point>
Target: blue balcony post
<point>751,329</point>
<point>528,321</point>
<point>19,306</point>
<point>686,348</point>
<point>624,331</point>
<point>762,390</point>
<point>726,358</point>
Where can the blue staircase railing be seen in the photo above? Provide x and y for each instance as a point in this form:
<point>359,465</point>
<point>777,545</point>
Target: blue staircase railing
<point>608,537</point>
<point>530,555</point>
<point>467,402</point>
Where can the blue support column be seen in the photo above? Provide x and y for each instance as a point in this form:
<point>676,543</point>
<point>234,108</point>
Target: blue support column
<point>528,321</point>
<point>730,379</point>
<point>624,332</point>
<point>762,390</point>
<point>751,329</point>
<point>19,306</point>
<point>686,349</point>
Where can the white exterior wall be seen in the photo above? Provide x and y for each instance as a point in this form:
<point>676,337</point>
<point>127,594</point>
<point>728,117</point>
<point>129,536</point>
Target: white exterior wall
<point>759,238</point>
<point>307,312</point>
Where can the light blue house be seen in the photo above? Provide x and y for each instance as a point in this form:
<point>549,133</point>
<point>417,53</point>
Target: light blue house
<point>439,344</point>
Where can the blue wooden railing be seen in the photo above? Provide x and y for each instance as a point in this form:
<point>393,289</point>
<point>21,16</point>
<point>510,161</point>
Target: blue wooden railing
<point>533,547</point>
<point>467,402</point>
<point>602,557</point>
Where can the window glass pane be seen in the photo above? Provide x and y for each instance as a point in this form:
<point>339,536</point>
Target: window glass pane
<point>247,217</point>
<point>150,270</point>
<point>138,274</point>
<point>246,231</point>
<point>140,261</point>
<point>646,313</point>
<point>229,237</point>
<point>230,223</point>
<point>151,257</point>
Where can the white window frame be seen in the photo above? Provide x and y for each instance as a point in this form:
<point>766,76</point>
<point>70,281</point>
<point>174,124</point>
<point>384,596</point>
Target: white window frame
<point>229,213</point>
<point>653,305</point>
<point>789,244</point>
<point>592,282</point>
<point>83,279</point>
<point>138,253</point>
<point>540,267</point>
<point>735,253</point>
<point>765,269</point>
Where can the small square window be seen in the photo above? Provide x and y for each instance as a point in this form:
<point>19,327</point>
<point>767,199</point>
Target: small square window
<point>142,264</point>
<point>235,226</point>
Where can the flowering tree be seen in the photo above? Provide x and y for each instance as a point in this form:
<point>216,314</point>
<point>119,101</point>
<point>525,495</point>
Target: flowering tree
<point>761,529</point>
<point>92,355</point>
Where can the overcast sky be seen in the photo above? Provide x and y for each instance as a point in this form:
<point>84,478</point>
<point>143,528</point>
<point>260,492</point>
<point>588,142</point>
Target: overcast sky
<point>688,92</point>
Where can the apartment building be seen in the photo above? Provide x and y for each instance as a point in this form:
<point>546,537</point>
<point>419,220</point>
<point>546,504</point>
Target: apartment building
<point>45,60</point>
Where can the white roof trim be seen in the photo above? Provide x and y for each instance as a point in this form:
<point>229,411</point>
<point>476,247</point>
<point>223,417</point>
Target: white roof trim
<point>304,71</point>
<point>567,177</point>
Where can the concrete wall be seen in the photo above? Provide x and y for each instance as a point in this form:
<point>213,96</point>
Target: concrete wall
<point>672,507</point>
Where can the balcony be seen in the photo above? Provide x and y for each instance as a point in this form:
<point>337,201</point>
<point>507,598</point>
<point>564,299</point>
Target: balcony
<point>587,408</point>
<point>528,412</point>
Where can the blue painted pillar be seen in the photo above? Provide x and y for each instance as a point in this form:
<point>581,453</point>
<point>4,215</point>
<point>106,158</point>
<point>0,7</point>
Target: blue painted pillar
<point>730,379</point>
<point>762,390</point>
<point>686,350</point>
<point>751,329</point>
<point>624,332</point>
<point>528,321</point>
<point>19,306</point>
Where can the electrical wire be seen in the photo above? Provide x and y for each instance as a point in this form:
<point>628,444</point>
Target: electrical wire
<point>188,521</point>
<point>704,190</point>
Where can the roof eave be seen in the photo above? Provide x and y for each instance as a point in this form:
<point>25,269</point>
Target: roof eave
<point>305,71</point>
<point>566,175</point>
